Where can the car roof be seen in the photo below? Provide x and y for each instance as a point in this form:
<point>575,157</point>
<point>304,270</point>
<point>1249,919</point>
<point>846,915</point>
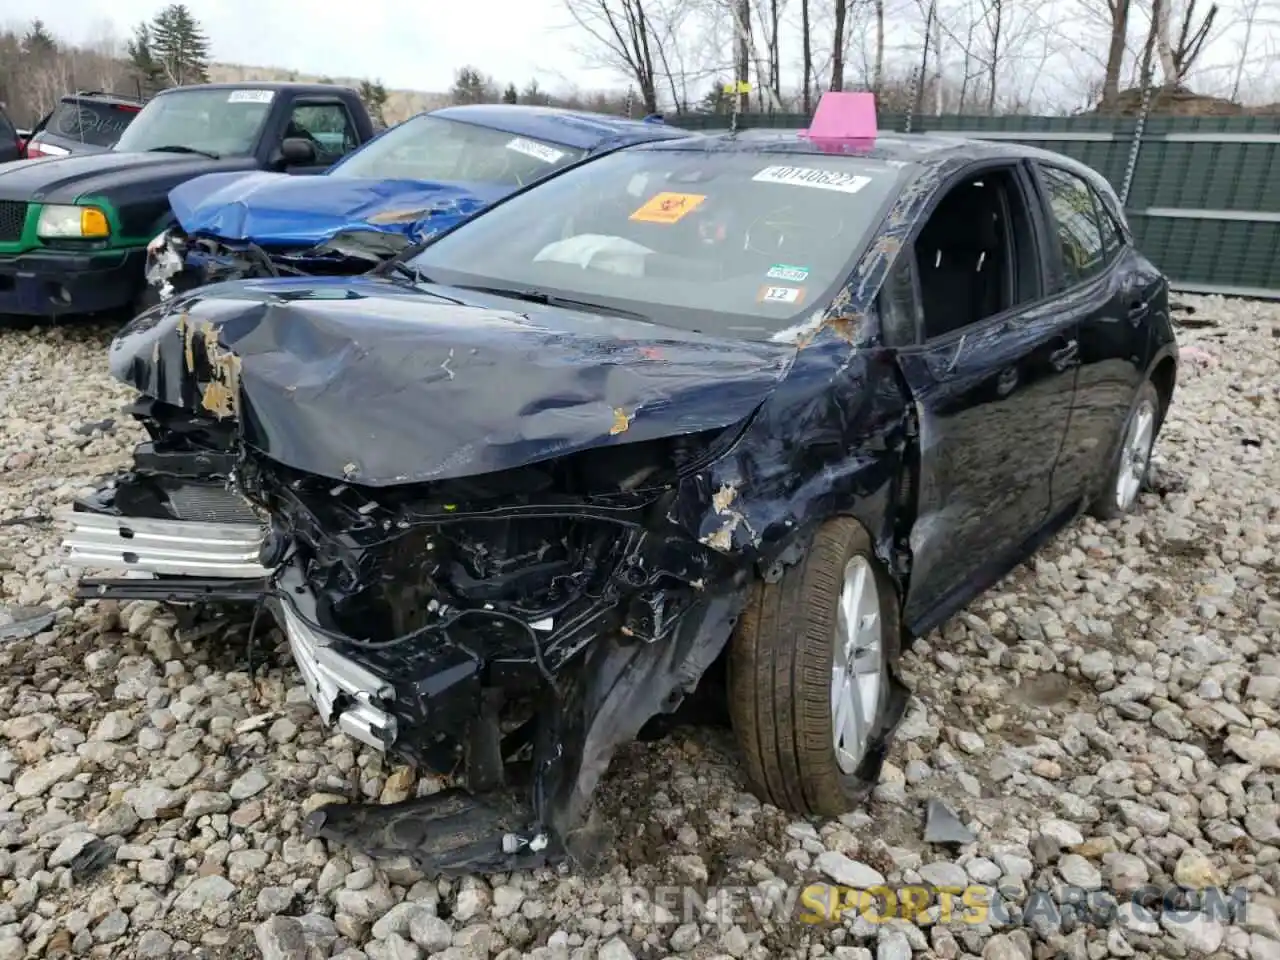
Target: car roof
<point>914,149</point>
<point>99,96</point>
<point>580,129</point>
<point>280,86</point>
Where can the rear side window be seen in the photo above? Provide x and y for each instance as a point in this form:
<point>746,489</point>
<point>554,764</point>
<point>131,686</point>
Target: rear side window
<point>7,132</point>
<point>90,121</point>
<point>1076,219</point>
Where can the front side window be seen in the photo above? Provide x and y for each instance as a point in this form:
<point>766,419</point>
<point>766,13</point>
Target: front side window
<point>738,243</point>
<point>223,123</point>
<point>1076,219</point>
<point>327,125</point>
<point>90,121</point>
<point>434,148</point>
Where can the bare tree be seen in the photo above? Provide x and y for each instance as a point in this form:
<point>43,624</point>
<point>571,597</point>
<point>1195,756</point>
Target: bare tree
<point>1177,57</point>
<point>806,45</point>
<point>837,45</point>
<point>620,29</point>
<point>1117,46</point>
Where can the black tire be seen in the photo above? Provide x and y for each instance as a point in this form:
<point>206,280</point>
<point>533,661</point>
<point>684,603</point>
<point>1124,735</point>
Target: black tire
<point>1104,506</point>
<point>779,679</point>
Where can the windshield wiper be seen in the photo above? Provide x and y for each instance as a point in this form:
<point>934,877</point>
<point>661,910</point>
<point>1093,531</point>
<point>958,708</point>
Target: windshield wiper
<point>553,300</point>
<point>400,268</point>
<point>178,148</point>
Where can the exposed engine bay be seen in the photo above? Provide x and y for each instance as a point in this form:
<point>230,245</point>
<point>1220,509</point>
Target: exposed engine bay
<point>511,627</point>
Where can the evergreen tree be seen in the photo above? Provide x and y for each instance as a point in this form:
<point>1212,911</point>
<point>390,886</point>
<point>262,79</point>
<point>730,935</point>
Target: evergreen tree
<point>510,95</point>
<point>471,86</point>
<point>374,96</point>
<point>179,46</point>
<point>144,65</point>
<point>38,41</point>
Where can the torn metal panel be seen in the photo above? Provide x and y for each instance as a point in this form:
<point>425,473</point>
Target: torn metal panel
<point>332,378</point>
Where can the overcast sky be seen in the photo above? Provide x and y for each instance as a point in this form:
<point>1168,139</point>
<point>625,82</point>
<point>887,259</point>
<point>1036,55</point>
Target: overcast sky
<point>409,44</point>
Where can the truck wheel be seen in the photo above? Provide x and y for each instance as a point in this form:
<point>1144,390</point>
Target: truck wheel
<point>810,675</point>
<point>1133,459</point>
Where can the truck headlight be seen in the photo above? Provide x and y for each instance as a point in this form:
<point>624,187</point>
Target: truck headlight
<point>62,221</point>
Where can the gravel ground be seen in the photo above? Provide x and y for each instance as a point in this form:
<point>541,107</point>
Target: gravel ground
<point>1108,717</point>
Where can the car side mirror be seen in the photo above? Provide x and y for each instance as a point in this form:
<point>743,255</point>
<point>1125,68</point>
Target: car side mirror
<point>297,152</point>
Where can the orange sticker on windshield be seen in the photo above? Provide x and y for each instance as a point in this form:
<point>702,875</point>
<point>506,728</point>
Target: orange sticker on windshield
<point>667,207</point>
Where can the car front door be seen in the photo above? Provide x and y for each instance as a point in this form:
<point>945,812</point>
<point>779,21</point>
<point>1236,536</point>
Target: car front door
<point>992,393</point>
<point>1111,290</point>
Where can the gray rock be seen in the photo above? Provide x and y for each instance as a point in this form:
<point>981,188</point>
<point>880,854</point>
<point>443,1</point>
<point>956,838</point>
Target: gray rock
<point>614,949</point>
<point>943,826</point>
<point>280,938</point>
<point>151,801</point>
<point>202,892</point>
<point>847,872</point>
<point>37,780</point>
<point>430,932</point>
<point>204,802</point>
<point>273,900</point>
<point>248,784</point>
<point>115,725</point>
<point>397,920</point>
<point>69,848</point>
<point>1079,872</point>
<point>945,875</point>
<point>892,945</point>
<point>153,945</point>
<point>111,927</point>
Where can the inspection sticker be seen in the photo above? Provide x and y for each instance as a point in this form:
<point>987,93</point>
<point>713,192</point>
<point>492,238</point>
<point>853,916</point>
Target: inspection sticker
<point>812,177</point>
<point>667,207</point>
<point>251,96</point>
<point>539,151</point>
<point>783,271</point>
<point>781,295</point>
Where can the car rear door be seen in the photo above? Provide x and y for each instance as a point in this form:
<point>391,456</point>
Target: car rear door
<point>992,400</point>
<point>1110,289</point>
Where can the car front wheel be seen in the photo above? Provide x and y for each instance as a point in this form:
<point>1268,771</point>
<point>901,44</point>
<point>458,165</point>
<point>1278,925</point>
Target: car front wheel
<point>1133,460</point>
<point>810,682</point>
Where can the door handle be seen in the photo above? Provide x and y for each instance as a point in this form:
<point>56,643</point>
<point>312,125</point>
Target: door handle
<point>1066,356</point>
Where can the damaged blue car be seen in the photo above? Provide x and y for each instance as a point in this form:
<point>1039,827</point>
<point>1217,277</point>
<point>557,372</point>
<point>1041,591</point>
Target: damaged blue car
<point>412,182</point>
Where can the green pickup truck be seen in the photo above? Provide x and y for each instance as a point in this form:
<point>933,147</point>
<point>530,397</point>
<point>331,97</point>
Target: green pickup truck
<point>74,230</point>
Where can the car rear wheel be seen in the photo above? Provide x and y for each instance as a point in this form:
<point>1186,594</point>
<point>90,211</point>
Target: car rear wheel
<point>1133,459</point>
<point>810,675</point>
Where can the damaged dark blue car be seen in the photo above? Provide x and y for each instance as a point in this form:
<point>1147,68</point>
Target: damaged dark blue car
<point>755,407</point>
<point>408,184</point>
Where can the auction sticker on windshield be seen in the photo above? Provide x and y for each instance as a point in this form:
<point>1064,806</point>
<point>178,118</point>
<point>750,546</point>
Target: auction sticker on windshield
<point>667,207</point>
<point>784,271</point>
<point>812,177</point>
<point>539,151</point>
<point>782,295</point>
<point>251,96</point>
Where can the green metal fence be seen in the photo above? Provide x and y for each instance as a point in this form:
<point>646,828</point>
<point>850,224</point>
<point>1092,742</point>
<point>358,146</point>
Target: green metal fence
<point>1203,200</point>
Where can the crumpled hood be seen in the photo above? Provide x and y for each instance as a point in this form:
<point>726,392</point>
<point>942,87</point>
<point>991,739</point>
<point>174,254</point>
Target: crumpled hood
<point>279,210</point>
<point>380,383</point>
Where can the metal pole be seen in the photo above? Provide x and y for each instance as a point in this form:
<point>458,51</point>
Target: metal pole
<point>1135,148</point>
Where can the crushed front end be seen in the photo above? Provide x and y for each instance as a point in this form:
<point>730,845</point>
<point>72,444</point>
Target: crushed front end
<point>178,263</point>
<point>171,525</point>
<point>510,630</point>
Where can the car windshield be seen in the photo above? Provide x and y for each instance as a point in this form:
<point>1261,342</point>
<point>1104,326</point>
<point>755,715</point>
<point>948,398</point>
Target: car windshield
<point>737,243</point>
<point>224,123</point>
<point>91,121</point>
<point>434,148</point>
